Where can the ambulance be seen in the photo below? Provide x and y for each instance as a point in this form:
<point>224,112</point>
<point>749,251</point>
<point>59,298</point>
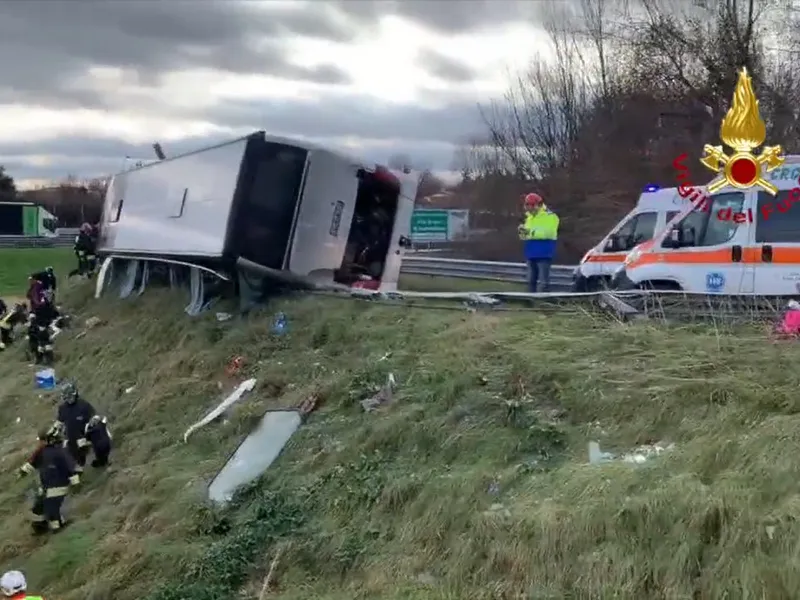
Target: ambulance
<point>656,207</point>
<point>746,243</point>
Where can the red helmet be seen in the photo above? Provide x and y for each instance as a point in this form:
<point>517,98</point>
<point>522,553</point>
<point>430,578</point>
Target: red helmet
<point>532,200</point>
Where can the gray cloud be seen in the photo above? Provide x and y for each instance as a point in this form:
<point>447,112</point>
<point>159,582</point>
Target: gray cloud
<point>52,42</point>
<point>444,16</point>
<point>360,117</point>
<point>446,68</point>
<point>92,157</point>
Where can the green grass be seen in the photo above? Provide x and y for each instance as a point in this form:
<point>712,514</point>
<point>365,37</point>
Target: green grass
<point>17,263</point>
<point>397,504</point>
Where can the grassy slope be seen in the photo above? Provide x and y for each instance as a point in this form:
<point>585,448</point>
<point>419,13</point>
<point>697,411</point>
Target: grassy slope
<point>394,504</point>
<point>17,263</point>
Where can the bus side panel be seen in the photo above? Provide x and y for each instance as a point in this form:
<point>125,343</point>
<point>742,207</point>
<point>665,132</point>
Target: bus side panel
<point>324,216</point>
<point>402,229</point>
<point>178,206</point>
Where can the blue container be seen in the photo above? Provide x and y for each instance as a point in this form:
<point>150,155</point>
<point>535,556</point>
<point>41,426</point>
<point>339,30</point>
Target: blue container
<point>281,324</point>
<point>46,379</point>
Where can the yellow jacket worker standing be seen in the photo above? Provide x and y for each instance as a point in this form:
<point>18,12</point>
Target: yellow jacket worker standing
<point>539,231</point>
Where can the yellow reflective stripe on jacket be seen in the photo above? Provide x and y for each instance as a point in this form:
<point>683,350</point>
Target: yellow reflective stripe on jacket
<point>56,492</point>
<point>75,479</point>
<point>541,225</point>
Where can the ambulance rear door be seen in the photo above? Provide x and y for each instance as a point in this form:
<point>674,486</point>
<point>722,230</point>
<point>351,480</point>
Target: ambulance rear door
<point>774,256</point>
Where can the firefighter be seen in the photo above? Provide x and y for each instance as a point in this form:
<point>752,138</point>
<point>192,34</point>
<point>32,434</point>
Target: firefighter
<point>85,243</point>
<point>11,319</point>
<point>99,437</point>
<point>75,413</point>
<point>57,472</point>
<point>49,283</point>
<point>14,586</point>
<point>38,521</point>
<point>40,342</point>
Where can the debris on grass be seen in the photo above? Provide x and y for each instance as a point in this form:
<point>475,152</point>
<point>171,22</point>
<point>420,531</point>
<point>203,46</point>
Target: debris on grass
<point>497,510</point>
<point>380,397</point>
<point>234,366</point>
<point>255,454</point>
<point>280,324</point>
<point>235,396</point>
<point>638,456</point>
<point>269,580</point>
<point>223,316</point>
<point>45,379</point>
<point>92,322</point>
<point>308,405</point>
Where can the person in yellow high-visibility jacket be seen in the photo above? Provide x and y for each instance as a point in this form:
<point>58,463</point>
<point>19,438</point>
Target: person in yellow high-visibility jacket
<point>539,231</point>
<point>14,586</point>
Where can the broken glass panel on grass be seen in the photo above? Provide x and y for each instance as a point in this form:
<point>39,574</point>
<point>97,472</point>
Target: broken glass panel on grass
<point>255,454</point>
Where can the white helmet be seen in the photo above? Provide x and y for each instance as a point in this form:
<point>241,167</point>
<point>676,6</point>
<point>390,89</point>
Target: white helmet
<point>13,582</point>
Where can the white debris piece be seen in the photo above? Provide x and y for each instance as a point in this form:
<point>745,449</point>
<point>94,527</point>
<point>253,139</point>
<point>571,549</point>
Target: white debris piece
<point>638,456</point>
<point>597,456</point>
<point>382,396</point>
<point>646,452</point>
<point>233,398</point>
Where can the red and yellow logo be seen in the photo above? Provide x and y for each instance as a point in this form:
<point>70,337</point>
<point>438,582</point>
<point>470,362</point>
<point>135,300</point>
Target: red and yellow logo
<point>743,130</point>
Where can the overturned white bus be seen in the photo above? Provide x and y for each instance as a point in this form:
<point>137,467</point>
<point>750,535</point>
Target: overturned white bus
<point>256,211</point>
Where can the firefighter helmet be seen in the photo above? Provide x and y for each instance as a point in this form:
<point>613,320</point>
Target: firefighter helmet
<point>12,583</point>
<point>69,392</point>
<point>53,433</point>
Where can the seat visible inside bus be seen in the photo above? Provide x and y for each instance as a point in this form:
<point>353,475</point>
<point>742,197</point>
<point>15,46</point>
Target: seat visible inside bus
<point>371,229</point>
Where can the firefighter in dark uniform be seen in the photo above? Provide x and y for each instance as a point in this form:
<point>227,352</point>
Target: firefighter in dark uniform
<point>57,472</point>
<point>75,413</point>
<point>49,282</point>
<point>11,319</point>
<point>85,251</point>
<point>40,342</point>
<point>99,437</point>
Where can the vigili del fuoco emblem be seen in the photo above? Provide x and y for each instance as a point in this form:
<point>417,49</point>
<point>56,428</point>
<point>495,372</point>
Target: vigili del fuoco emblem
<point>742,129</point>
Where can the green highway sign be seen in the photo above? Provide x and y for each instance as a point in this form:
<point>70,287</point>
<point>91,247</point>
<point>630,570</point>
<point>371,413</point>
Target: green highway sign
<point>430,225</point>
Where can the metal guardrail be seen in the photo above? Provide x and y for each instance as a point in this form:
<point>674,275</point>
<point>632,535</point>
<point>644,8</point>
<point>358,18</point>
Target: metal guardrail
<point>20,241</point>
<point>509,272</point>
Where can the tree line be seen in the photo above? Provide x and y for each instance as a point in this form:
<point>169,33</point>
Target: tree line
<point>73,201</point>
<point>627,86</point>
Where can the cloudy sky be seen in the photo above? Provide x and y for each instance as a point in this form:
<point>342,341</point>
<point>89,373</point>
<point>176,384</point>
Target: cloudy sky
<point>86,83</point>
